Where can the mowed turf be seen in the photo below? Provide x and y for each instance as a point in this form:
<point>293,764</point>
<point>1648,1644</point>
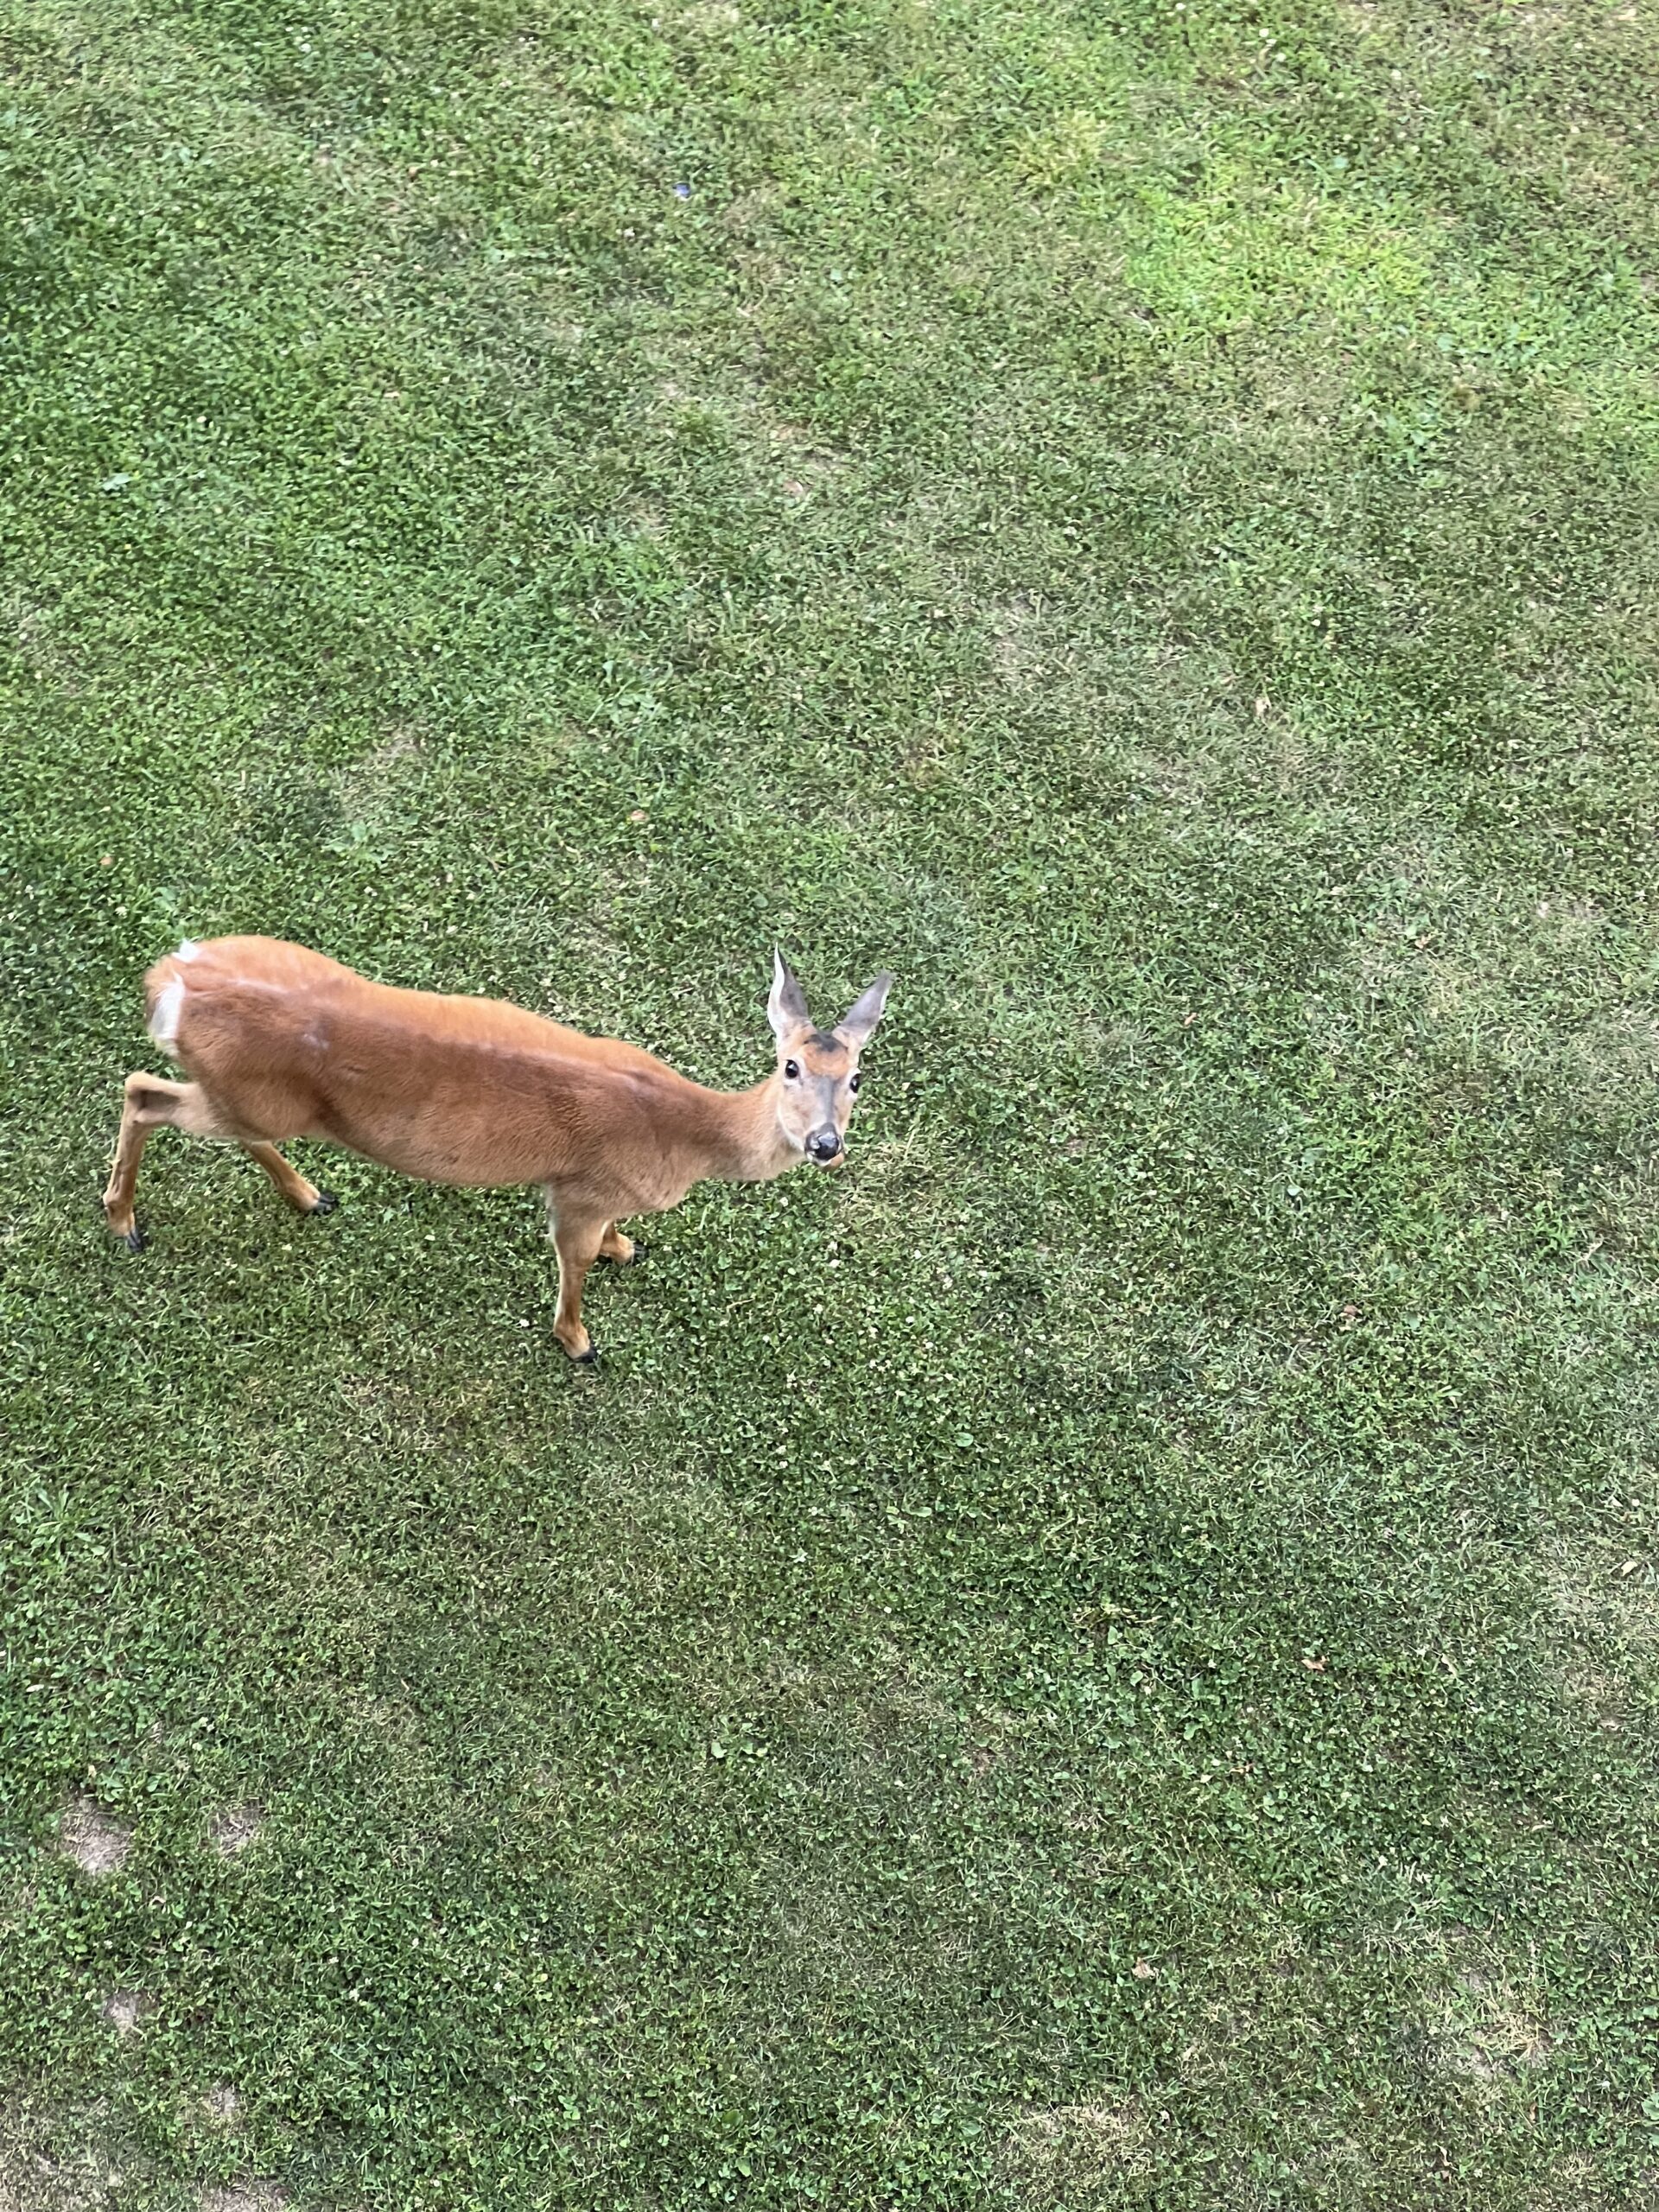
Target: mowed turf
<point>1105,1655</point>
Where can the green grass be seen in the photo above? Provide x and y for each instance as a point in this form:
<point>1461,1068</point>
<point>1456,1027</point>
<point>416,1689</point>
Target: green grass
<point>1106,1657</point>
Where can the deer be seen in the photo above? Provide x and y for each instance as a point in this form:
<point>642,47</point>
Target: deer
<point>280,1042</point>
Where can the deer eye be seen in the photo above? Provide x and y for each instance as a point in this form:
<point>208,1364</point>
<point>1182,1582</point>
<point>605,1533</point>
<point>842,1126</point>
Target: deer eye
<point>852,1083</point>
<point>792,1071</point>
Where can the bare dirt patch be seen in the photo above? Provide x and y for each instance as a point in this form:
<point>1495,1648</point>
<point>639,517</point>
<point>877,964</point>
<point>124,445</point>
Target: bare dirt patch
<point>124,2008</point>
<point>1070,2149</point>
<point>712,21</point>
<point>1019,650</point>
<point>245,2197</point>
<point>96,1841</point>
<point>233,1829</point>
<point>1491,2033</point>
<point>34,2178</point>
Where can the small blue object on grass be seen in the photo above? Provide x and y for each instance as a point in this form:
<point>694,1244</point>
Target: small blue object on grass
<point>682,192</point>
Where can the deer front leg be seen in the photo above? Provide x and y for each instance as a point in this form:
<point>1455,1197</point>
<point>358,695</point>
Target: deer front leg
<point>614,1245</point>
<point>578,1242</point>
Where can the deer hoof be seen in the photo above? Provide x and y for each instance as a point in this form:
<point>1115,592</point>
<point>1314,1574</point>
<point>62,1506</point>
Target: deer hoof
<point>134,1240</point>
<point>325,1202</point>
<point>588,1358</point>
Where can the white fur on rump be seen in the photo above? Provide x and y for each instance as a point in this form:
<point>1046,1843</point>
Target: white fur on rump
<point>163,1023</point>
<point>164,1014</point>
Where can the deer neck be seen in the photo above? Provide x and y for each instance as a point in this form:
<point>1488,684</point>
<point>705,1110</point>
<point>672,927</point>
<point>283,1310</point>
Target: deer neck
<point>745,1144</point>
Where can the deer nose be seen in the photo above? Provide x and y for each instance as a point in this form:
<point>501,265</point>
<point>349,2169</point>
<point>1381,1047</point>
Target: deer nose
<point>824,1144</point>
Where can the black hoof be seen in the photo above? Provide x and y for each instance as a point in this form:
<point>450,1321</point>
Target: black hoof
<point>640,1249</point>
<point>134,1240</point>
<point>588,1358</point>
<point>325,1202</point>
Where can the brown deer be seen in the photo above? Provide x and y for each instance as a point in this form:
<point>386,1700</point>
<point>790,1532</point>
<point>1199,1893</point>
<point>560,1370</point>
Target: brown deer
<point>280,1042</point>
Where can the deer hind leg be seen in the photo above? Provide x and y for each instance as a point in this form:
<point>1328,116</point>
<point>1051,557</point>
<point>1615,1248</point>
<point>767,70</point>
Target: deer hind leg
<point>303,1195</point>
<point>152,1103</point>
<point>614,1245</point>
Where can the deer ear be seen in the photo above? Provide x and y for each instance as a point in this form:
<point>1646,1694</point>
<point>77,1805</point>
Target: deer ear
<point>861,1017</point>
<point>786,1007</point>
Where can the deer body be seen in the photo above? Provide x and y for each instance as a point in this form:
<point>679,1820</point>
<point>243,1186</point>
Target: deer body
<point>280,1042</point>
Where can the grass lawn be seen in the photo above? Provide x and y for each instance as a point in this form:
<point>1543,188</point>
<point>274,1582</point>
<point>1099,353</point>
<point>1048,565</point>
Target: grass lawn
<point>1107,1656</point>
